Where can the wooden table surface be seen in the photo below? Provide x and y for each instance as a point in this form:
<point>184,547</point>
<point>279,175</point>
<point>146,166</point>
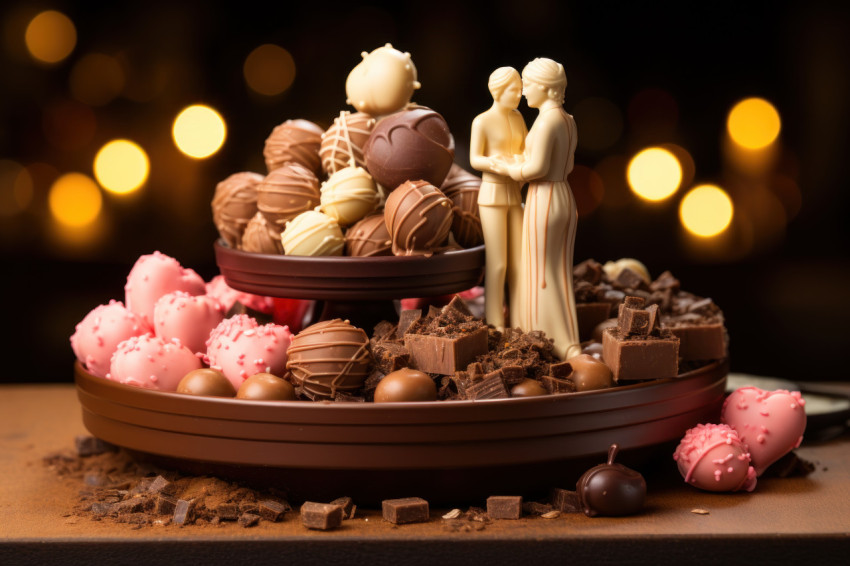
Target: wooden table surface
<point>790,519</point>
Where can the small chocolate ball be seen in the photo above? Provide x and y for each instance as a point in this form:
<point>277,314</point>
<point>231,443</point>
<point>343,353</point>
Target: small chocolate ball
<point>368,238</point>
<point>610,489</point>
<point>294,141</point>
<point>206,382</point>
<point>266,387</point>
<point>406,385</point>
<point>287,192</point>
<point>418,217</point>
<point>234,204</point>
<point>589,373</point>
<point>528,388</point>
<point>261,236</point>
<point>599,329</point>
<point>462,188</point>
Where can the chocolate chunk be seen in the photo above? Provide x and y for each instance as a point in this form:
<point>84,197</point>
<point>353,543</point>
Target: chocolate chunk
<point>165,505</point>
<point>589,315</point>
<point>459,306</point>
<point>248,520</point>
<point>92,446</point>
<point>405,319</point>
<point>561,370</point>
<point>640,358</point>
<point>512,375</point>
<point>698,340</point>
<point>271,510</point>
<point>321,516</point>
<point>632,302</point>
<point>490,386</point>
<point>504,506</point>
<point>227,511</point>
<point>554,385</point>
<point>665,282</point>
<point>536,508</point>
<point>184,512</point>
<point>589,270</point>
<point>405,510</point>
<point>564,500</point>
<point>348,507</point>
<point>630,279</point>
<point>445,355</point>
<point>633,322</point>
<point>383,330</point>
<point>390,356</point>
<point>162,486</point>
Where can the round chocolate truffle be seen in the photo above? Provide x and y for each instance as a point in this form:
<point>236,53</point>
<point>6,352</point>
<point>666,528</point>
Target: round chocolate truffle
<point>528,388</point>
<point>294,141</point>
<point>234,204</point>
<point>266,387</point>
<point>610,489</point>
<point>206,382</point>
<point>368,238</point>
<point>329,357</point>
<point>344,141</point>
<point>406,385</point>
<point>382,82</point>
<point>418,217</point>
<point>589,373</point>
<point>349,195</point>
<point>287,192</point>
<point>261,236</point>
<point>312,233</point>
<point>462,187</point>
<point>410,145</point>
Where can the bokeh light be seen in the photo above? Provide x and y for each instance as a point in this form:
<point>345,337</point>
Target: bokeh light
<point>96,79</point>
<point>654,174</point>
<point>75,200</point>
<point>269,69</point>
<point>68,125</point>
<point>199,131</point>
<point>753,123</point>
<point>16,188</point>
<point>50,36</point>
<point>600,123</point>
<point>121,166</point>
<point>686,162</point>
<point>706,211</point>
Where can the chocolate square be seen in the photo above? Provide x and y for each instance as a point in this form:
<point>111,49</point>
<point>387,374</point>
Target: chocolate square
<point>504,506</point>
<point>348,506</point>
<point>700,341</point>
<point>564,500</point>
<point>640,358</point>
<point>321,516</point>
<point>443,355</point>
<point>271,510</point>
<point>490,386</point>
<point>405,510</point>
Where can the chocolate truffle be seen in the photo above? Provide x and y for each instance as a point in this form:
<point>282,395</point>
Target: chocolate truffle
<point>462,187</point>
<point>418,217</point>
<point>287,192</point>
<point>234,204</point>
<point>406,385</point>
<point>344,141</point>
<point>528,388</point>
<point>382,82</point>
<point>266,387</point>
<point>369,237</point>
<point>312,233</point>
<point>329,357</point>
<point>261,236</point>
<point>410,145</point>
<point>294,141</point>
<point>206,382</point>
<point>589,373</point>
<point>610,489</point>
<point>349,195</point>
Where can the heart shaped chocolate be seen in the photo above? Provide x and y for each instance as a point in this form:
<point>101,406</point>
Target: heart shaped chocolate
<point>770,423</point>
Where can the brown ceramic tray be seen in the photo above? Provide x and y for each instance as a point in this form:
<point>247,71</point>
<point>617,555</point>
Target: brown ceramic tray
<point>449,451</point>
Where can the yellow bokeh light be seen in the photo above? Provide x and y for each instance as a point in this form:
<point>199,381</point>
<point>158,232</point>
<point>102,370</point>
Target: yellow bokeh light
<point>706,211</point>
<point>121,166</point>
<point>75,200</point>
<point>269,69</point>
<point>199,131</point>
<point>654,174</point>
<point>50,36</point>
<point>753,123</point>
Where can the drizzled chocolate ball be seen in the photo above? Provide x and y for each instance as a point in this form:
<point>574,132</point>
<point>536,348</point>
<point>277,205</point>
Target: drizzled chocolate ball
<point>610,489</point>
<point>294,141</point>
<point>418,217</point>
<point>234,204</point>
<point>344,141</point>
<point>462,188</point>
<point>261,236</point>
<point>368,237</point>
<point>287,192</point>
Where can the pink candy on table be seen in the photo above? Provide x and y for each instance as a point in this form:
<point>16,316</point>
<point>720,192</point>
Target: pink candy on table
<point>100,332</point>
<point>154,275</point>
<point>188,318</point>
<point>712,457</point>
<point>151,362</point>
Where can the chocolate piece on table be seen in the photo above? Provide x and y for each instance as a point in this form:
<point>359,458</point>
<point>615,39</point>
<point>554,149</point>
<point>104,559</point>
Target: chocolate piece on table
<point>445,355</point>
<point>321,516</point>
<point>165,504</point>
<point>490,386</point>
<point>162,486</point>
<point>348,506</point>
<point>227,511</point>
<point>271,510</point>
<point>184,512</point>
<point>554,385</point>
<point>640,358</point>
<point>405,319</point>
<point>91,446</point>
<point>564,500</point>
<point>504,506</point>
<point>590,315</point>
<point>405,510</point>
<point>248,520</point>
<point>610,489</point>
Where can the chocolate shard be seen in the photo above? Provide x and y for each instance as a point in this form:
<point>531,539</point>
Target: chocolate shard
<point>504,506</point>
<point>405,510</point>
<point>271,510</point>
<point>633,321</point>
<point>665,281</point>
<point>92,446</point>
<point>348,506</point>
<point>227,511</point>
<point>383,330</point>
<point>390,356</point>
<point>248,520</point>
<point>653,324</point>
<point>511,375</point>
<point>554,385</point>
<point>490,386</point>
<point>459,305</point>
<point>162,486</point>
<point>405,319</point>
<point>184,512</point>
<point>165,504</point>
<point>630,279</point>
<point>536,508</point>
<point>321,516</point>
<point>564,500</point>
<point>560,370</point>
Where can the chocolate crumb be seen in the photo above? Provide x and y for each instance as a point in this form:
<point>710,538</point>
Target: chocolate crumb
<point>348,506</point>
<point>272,511</point>
<point>248,520</point>
<point>91,446</point>
<point>184,512</point>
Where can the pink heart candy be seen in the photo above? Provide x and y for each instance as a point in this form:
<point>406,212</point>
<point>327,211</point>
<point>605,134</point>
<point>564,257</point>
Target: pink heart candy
<point>770,423</point>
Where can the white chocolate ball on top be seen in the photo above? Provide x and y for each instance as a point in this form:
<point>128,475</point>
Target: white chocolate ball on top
<point>349,195</point>
<point>312,233</point>
<point>383,82</point>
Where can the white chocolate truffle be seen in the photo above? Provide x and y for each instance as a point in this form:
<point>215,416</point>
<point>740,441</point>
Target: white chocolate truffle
<point>349,195</point>
<point>344,141</point>
<point>312,233</point>
<point>383,82</point>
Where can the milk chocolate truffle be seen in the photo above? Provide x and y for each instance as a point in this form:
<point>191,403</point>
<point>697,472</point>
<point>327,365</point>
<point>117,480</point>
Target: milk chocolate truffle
<point>343,142</point>
<point>610,489</point>
<point>287,192</point>
<point>349,195</point>
<point>589,373</point>
<point>206,382</point>
<point>410,145</point>
<point>294,141</point>
<point>382,82</point>
<point>528,388</point>
<point>462,187</point>
<point>418,217</point>
<point>266,387</point>
<point>234,204</point>
<point>312,233</point>
<point>329,357</point>
<point>261,236</point>
<point>368,238</point>
<point>406,385</point>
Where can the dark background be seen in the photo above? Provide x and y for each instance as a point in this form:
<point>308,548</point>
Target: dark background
<point>783,289</point>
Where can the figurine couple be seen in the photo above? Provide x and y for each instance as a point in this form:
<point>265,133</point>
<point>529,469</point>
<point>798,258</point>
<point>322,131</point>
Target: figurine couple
<point>531,248</point>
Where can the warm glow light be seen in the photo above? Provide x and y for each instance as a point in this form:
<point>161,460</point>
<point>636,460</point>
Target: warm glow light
<point>50,36</point>
<point>654,174</point>
<point>16,188</point>
<point>96,79</point>
<point>121,166</point>
<point>75,200</point>
<point>199,131</point>
<point>753,123</point>
<point>706,211</point>
<point>269,69</point>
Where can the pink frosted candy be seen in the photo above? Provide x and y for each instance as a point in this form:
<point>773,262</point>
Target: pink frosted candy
<point>153,276</point>
<point>712,457</point>
<point>227,296</point>
<point>150,362</point>
<point>239,347</point>
<point>100,332</point>
<point>188,318</point>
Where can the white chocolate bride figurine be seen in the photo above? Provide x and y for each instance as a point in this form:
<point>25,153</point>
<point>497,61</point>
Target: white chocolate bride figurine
<point>499,132</point>
<point>545,299</point>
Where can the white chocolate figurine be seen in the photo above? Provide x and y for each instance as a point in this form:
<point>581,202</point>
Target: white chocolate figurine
<point>383,82</point>
<point>499,133</point>
<point>545,298</point>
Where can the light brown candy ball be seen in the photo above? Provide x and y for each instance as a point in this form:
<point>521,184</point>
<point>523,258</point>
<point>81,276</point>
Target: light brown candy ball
<point>590,373</point>
<point>406,385</point>
<point>206,382</point>
<point>528,388</point>
<point>266,387</point>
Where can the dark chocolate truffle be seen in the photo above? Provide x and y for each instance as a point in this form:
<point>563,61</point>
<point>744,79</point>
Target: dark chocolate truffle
<point>528,388</point>
<point>368,237</point>
<point>418,217</point>
<point>287,192</point>
<point>406,385</point>
<point>294,141</point>
<point>234,204</point>
<point>462,187</point>
<point>329,357</point>
<point>410,145</point>
<point>266,387</point>
<point>610,489</point>
<point>344,141</point>
<point>206,382</point>
<point>590,373</point>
